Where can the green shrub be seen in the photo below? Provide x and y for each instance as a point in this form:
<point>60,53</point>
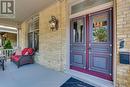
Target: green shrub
<point>7,44</point>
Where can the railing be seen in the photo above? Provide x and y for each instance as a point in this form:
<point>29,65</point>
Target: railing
<point>7,52</point>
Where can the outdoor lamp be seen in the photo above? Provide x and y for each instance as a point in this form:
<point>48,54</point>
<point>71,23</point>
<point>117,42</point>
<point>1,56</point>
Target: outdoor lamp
<point>53,23</point>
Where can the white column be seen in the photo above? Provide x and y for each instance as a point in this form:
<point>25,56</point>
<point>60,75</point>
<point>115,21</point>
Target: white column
<point>0,40</point>
<point>17,37</point>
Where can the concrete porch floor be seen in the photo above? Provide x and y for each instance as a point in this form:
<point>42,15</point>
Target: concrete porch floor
<point>33,75</point>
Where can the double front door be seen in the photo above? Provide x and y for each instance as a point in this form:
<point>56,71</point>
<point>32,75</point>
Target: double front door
<point>91,44</point>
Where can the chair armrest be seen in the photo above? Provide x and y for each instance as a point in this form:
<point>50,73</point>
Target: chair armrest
<point>26,57</point>
<point>13,53</point>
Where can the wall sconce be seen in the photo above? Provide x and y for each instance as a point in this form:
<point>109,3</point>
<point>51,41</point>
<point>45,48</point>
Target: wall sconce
<point>53,23</point>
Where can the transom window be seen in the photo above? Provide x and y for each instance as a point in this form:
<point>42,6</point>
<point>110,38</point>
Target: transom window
<point>86,4</point>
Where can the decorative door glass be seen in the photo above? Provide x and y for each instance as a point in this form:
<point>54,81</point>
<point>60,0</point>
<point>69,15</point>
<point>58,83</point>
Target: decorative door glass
<point>100,28</point>
<point>78,31</point>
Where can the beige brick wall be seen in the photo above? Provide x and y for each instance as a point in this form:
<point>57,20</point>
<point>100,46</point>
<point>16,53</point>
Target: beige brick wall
<point>123,32</point>
<point>52,44</point>
<point>23,35</point>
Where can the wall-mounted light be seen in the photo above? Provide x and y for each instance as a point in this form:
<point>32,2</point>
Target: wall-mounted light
<point>53,23</point>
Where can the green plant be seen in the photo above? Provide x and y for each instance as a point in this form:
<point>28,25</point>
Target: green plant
<point>7,44</point>
<point>100,35</point>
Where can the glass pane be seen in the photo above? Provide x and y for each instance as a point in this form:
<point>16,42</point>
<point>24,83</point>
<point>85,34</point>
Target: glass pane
<point>30,26</point>
<point>36,40</point>
<point>36,23</point>
<point>86,4</point>
<point>78,31</point>
<point>100,28</point>
<point>30,40</point>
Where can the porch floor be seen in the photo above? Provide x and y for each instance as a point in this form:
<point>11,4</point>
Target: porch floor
<point>33,75</point>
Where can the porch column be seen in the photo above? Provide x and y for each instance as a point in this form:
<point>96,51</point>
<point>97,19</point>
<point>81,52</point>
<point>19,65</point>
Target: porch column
<point>0,40</point>
<point>18,29</point>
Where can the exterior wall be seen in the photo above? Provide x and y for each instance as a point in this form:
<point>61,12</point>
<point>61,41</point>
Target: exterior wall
<point>123,32</point>
<point>23,35</point>
<point>53,43</point>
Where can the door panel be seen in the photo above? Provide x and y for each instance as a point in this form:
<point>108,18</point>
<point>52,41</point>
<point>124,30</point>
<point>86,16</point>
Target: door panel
<point>100,63</point>
<point>78,59</point>
<point>100,42</point>
<point>77,43</point>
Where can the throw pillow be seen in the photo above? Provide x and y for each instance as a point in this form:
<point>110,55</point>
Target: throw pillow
<point>18,52</point>
<point>26,53</point>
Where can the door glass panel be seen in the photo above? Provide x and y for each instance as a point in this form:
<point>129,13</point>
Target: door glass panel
<point>78,31</point>
<point>100,28</point>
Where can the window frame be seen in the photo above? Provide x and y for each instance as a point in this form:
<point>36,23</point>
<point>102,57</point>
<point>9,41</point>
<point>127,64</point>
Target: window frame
<point>32,29</point>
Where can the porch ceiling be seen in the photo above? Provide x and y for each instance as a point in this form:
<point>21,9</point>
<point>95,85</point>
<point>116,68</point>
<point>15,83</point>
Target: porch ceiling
<point>26,8</point>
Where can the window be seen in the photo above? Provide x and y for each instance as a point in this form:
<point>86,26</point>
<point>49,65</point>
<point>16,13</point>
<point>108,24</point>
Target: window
<point>33,33</point>
<point>86,4</point>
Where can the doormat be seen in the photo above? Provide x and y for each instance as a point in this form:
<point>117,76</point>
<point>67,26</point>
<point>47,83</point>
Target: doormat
<point>72,82</point>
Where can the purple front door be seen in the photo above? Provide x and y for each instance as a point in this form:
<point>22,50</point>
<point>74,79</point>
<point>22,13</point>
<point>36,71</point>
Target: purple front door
<point>78,43</point>
<point>91,44</point>
<point>100,42</point>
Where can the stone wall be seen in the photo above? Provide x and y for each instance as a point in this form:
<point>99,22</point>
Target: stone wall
<point>52,44</point>
<point>23,35</point>
<point>123,32</point>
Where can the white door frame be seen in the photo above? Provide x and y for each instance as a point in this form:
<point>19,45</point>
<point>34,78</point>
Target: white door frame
<point>92,79</point>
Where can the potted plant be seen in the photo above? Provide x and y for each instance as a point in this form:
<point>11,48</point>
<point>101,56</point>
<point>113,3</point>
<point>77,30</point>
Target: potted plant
<point>100,35</point>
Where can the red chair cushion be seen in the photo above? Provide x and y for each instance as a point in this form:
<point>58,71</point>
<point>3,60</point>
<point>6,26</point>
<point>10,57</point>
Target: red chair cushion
<point>24,51</point>
<point>30,51</point>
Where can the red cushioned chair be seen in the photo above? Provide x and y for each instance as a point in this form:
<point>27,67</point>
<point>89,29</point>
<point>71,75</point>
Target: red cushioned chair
<point>26,57</point>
